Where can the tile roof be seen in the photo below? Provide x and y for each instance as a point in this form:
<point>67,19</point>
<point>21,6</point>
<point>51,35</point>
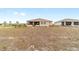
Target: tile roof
<point>39,19</point>
<point>68,19</point>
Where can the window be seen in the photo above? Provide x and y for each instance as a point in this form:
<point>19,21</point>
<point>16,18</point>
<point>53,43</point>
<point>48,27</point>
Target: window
<point>68,23</point>
<point>43,22</point>
<point>76,23</point>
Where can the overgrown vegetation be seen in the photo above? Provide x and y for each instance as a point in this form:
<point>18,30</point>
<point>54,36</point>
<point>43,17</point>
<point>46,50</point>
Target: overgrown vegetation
<point>10,24</point>
<point>39,38</point>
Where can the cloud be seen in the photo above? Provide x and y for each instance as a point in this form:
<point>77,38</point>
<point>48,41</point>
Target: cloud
<point>22,14</point>
<point>19,14</point>
<point>15,13</point>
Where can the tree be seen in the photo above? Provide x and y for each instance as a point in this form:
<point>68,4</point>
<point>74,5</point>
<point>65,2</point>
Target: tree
<point>17,22</point>
<point>10,23</point>
<point>5,23</point>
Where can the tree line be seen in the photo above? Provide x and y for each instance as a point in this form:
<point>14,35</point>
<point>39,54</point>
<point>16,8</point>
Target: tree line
<point>10,24</point>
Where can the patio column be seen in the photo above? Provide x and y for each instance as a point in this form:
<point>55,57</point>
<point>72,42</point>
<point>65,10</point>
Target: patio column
<point>64,23</point>
<point>40,23</point>
<point>72,24</point>
<point>33,23</point>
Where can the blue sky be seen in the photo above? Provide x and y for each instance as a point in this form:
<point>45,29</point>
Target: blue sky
<point>24,14</point>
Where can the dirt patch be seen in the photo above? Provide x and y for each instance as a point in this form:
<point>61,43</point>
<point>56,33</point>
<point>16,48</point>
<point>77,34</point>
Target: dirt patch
<point>39,39</point>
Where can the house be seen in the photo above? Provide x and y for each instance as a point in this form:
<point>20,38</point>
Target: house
<point>68,22</point>
<point>39,22</point>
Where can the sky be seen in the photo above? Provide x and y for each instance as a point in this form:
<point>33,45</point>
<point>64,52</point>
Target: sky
<point>24,14</point>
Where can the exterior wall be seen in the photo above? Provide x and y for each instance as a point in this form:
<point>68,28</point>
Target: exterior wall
<point>45,23</point>
<point>58,23</point>
<point>65,23</point>
<point>72,23</point>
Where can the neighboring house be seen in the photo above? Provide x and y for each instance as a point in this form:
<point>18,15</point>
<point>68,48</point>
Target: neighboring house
<point>39,22</point>
<point>68,22</point>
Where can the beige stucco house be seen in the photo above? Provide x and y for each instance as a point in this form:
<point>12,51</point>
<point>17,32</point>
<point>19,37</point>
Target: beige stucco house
<point>39,22</point>
<point>68,22</point>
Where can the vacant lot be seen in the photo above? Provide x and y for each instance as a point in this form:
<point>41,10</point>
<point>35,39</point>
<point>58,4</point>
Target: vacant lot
<point>39,38</point>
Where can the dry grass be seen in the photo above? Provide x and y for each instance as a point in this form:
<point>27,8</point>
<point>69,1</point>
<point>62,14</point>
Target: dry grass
<point>39,38</point>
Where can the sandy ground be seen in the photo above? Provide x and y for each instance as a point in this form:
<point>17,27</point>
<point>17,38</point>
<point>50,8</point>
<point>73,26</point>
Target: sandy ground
<point>39,39</point>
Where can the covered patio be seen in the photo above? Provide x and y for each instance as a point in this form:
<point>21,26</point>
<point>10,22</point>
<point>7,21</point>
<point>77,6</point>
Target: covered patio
<point>33,23</point>
<point>39,22</point>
